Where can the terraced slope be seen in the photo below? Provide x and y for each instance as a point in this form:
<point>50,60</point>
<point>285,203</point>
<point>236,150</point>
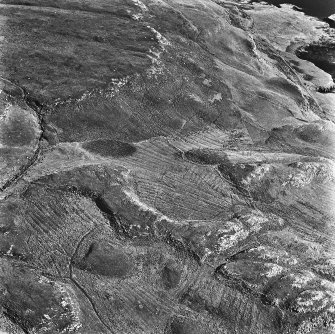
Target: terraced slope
<point>166,167</point>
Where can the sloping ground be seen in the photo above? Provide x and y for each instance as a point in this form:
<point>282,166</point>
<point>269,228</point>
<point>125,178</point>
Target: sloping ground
<point>179,173</point>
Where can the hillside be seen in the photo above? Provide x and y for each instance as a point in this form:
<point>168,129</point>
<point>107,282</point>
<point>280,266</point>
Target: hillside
<point>167,167</point>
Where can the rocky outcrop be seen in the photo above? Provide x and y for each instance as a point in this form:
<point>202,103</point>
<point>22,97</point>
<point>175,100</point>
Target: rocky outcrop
<point>168,167</point>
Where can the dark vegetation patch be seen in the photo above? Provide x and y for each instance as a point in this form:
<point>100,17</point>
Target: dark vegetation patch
<point>184,326</point>
<point>298,69</point>
<point>105,260</point>
<point>295,62</point>
<point>204,157</point>
<point>235,173</point>
<point>308,77</point>
<point>170,276</point>
<point>110,148</point>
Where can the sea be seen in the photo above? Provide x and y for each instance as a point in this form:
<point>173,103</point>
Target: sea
<point>322,56</point>
<point>318,8</point>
